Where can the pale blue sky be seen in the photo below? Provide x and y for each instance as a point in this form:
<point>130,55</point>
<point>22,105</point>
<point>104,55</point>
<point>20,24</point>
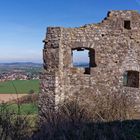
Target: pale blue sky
<point>23,22</point>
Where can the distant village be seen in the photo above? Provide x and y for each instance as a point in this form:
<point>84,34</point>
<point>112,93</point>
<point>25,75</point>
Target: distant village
<point>17,75</point>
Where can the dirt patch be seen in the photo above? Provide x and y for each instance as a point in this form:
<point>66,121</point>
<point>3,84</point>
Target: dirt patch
<point>10,97</point>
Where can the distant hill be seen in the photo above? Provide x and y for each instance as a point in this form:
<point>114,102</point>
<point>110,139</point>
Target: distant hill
<point>21,64</point>
<point>81,65</point>
<point>29,67</point>
<point>24,66</point>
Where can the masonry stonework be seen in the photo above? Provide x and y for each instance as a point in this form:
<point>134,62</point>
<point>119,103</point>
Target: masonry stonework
<point>115,46</point>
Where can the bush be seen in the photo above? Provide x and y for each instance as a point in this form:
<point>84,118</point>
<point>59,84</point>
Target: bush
<point>98,117</point>
<point>14,126</point>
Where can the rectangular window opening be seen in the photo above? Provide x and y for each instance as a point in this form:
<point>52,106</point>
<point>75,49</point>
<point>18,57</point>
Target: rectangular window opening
<point>83,58</point>
<point>80,58</point>
<point>127,24</point>
<point>131,79</point>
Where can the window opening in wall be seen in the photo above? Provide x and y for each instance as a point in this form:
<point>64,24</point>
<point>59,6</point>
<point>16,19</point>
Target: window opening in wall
<point>80,58</point>
<point>131,79</point>
<point>127,24</point>
<point>83,57</point>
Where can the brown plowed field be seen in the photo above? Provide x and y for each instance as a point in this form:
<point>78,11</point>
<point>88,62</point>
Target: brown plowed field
<point>9,97</point>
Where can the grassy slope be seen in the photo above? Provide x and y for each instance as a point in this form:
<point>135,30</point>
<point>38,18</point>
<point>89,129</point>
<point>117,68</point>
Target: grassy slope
<point>22,86</point>
<point>25,109</point>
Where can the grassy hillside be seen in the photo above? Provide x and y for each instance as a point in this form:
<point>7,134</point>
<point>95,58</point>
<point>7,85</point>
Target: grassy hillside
<point>22,86</point>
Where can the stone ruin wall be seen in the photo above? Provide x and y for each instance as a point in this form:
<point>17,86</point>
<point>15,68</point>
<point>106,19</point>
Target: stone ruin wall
<point>116,48</point>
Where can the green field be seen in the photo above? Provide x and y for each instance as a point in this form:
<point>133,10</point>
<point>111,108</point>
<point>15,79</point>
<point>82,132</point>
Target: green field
<point>25,109</point>
<point>22,86</point>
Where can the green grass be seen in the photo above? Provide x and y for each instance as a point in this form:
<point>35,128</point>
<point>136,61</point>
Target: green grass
<point>25,109</point>
<point>22,86</point>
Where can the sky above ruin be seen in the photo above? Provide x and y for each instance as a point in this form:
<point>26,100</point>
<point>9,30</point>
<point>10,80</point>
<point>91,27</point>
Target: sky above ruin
<point>23,22</point>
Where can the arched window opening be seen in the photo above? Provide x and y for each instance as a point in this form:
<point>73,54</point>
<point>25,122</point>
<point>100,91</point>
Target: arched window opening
<point>83,57</point>
<point>131,79</point>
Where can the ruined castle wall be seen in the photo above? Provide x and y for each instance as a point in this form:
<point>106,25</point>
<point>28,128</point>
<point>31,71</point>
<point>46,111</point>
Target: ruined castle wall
<point>51,66</point>
<point>117,49</point>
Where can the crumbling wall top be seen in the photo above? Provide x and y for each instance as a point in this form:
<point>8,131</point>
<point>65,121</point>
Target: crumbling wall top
<point>122,13</point>
<point>116,21</point>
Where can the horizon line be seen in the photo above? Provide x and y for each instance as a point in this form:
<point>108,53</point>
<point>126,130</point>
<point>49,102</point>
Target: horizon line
<point>21,62</point>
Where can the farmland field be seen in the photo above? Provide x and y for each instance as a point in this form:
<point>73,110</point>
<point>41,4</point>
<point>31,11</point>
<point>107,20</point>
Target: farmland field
<point>25,109</point>
<point>22,86</point>
<point>9,97</point>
